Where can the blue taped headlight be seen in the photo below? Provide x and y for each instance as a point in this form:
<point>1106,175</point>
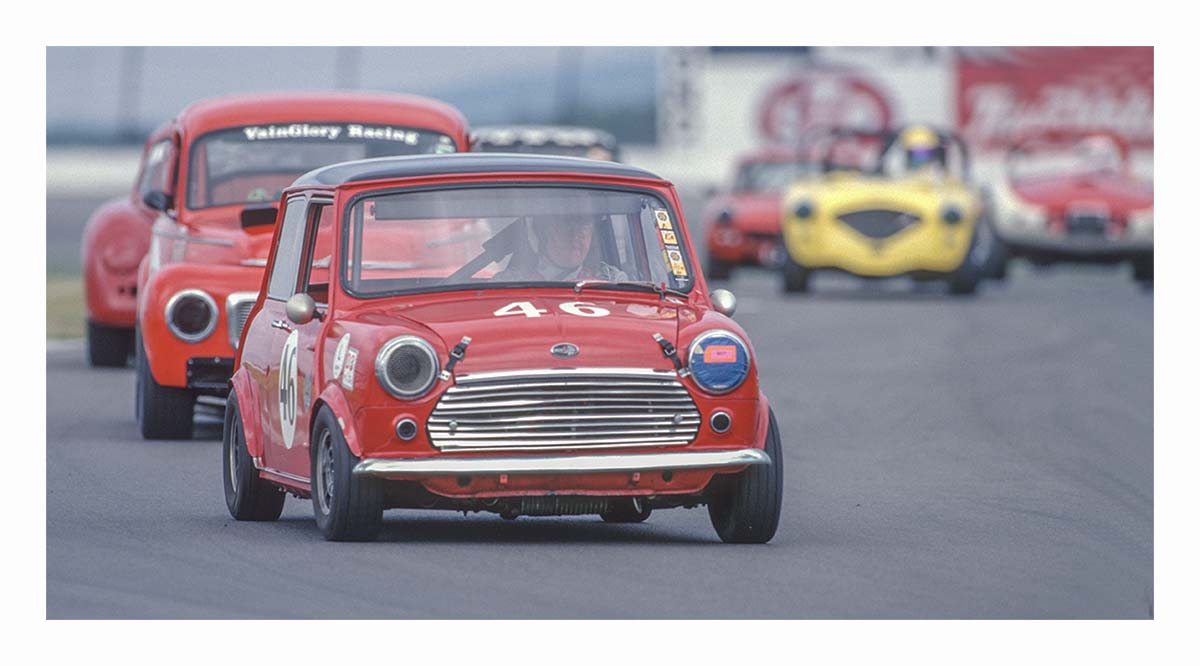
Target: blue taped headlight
<point>719,361</point>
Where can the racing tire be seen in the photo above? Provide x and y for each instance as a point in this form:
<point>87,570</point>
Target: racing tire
<point>626,510</point>
<point>163,412</point>
<point>1143,270</point>
<point>347,507</point>
<point>965,279</point>
<point>795,276</point>
<point>745,507</point>
<point>108,346</point>
<point>718,269</point>
<point>247,495</point>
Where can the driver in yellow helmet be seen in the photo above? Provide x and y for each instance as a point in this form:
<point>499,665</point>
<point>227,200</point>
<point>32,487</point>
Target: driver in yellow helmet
<point>924,151</point>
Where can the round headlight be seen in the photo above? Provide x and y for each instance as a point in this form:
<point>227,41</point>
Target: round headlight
<point>803,210</point>
<point>719,361</point>
<point>406,366</point>
<point>191,315</point>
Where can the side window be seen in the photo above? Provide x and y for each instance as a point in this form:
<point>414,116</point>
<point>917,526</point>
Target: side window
<point>287,254</point>
<point>157,168</point>
<point>320,252</point>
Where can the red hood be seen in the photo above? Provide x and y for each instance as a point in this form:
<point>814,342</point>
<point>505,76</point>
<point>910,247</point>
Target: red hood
<point>622,338</point>
<point>232,244</point>
<point>756,212</point>
<point>1120,194</point>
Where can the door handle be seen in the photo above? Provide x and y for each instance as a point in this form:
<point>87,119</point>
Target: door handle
<point>281,324</point>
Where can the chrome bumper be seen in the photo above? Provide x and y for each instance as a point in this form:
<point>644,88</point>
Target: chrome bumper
<point>561,464</point>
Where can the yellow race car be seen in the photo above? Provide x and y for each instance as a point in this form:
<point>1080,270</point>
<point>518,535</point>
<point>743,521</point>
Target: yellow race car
<point>888,204</point>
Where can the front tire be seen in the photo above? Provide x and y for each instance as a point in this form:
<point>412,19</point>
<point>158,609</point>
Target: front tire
<point>964,281</point>
<point>745,508</point>
<point>626,510</point>
<point>347,507</point>
<point>1143,270</point>
<point>163,412</point>
<point>247,495</point>
<point>108,346</point>
<point>795,276</point>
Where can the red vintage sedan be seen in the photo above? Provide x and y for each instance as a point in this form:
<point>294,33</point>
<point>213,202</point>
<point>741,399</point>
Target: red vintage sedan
<point>229,160</point>
<point>742,225</point>
<point>524,335</point>
<point>1074,197</point>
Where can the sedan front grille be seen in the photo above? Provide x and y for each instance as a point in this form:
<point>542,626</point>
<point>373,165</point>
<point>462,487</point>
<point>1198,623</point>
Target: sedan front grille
<point>237,310</point>
<point>879,223</point>
<point>564,409</point>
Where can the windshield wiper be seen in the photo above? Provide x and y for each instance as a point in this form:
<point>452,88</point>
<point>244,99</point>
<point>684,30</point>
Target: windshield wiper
<point>660,289</point>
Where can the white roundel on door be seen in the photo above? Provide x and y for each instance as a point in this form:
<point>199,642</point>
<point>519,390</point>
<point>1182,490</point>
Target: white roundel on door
<point>339,355</point>
<point>287,390</point>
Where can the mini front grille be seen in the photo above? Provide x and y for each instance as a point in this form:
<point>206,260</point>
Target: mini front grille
<point>237,309</point>
<point>879,223</point>
<point>564,409</point>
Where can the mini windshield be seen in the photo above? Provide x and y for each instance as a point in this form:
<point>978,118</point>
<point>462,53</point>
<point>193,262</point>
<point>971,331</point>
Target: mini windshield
<point>254,164</point>
<point>512,235</point>
<point>771,176</point>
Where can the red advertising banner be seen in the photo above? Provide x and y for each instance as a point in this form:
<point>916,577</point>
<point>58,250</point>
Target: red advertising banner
<point>1010,92</point>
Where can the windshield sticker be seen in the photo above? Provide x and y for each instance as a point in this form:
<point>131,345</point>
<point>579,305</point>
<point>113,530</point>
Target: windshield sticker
<point>669,237</point>
<point>664,220</point>
<point>675,259</point>
<point>293,131</point>
<point>335,132</point>
<point>348,370</point>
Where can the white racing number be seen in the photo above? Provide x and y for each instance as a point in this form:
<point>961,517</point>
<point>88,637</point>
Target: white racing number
<point>573,308</point>
<point>287,390</point>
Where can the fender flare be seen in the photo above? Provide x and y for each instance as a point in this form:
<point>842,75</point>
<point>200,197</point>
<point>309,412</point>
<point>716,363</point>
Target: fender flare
<point>333,398</point>
<point>247,394</point>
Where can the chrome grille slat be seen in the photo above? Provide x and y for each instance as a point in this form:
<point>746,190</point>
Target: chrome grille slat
<point>582,401</point>
<point>443,420</point>
<point>237,310</point>
<point>648,394</point>
<point>564,409</point>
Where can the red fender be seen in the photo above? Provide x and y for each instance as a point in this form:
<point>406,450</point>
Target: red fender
<point>762,423</point>
<point>247,394</point>
<point>335,399</point>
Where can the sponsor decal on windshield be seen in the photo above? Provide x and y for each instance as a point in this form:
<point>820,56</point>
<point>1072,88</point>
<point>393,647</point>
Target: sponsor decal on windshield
<point>332,132</point>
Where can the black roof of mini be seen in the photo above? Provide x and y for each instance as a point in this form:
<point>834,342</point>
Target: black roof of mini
<point>461,163</point>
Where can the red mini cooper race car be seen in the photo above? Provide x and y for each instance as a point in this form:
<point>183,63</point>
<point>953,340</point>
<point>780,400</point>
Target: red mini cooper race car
<point>525,335</point>
<point>210,241</point>
<point>743,224</point>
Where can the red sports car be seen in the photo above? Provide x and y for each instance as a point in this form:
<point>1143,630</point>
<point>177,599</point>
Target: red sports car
<point>1067,197</point>
<point>524,335</point>
<point>209,243</point>
<point>743,224</point>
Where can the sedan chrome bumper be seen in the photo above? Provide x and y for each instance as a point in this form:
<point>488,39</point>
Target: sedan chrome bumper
<point>561,464</point>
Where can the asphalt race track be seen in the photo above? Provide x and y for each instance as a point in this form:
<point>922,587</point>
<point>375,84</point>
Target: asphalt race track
<point>945,458</point>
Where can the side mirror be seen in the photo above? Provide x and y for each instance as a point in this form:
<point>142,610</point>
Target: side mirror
<point>158,200</point>
<point>723,301</point>
<point>259,216</point>
<point>301,309</point>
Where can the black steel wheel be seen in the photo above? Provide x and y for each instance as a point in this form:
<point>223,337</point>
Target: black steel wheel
<point>745,507</point>
<point>347,507</point>
<point>247,495</point>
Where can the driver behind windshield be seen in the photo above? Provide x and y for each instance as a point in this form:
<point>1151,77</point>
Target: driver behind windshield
<point>924,151</point>
<point>560,249</point>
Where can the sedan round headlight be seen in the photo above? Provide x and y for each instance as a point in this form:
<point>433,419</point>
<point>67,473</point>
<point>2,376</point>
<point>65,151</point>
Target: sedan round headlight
<point>406,366</point>
<point>719,361</point>
<point>191,315</point>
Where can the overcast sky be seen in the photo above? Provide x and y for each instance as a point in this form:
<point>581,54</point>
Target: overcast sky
<point>85,85</point>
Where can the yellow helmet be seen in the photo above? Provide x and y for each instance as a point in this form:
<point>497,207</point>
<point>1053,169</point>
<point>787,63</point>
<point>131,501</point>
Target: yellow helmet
<point>922,146</point>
